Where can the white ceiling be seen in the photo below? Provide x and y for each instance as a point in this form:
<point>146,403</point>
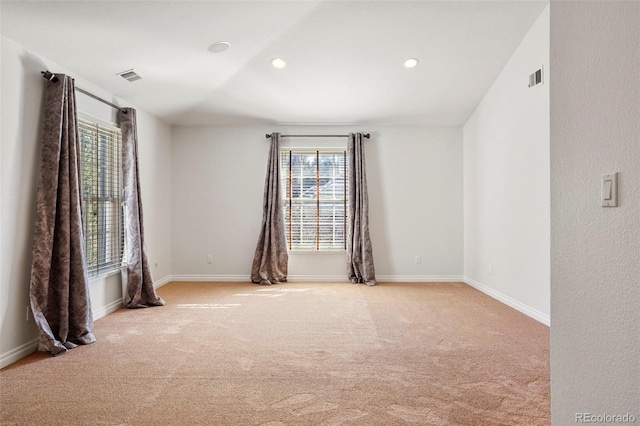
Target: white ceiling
<point>345,58</point>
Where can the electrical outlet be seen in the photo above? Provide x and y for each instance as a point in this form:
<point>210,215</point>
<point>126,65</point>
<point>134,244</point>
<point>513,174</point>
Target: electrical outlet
<point>156,263</point>
<point>210,258</point>
<point>418,260</point>
<point>490,270</point>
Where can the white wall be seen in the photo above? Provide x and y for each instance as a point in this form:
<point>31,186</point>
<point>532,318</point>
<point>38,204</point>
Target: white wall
<point>22,91</point>
<point>506,183</point>
<point>595,266</point>
<point>415,194</point>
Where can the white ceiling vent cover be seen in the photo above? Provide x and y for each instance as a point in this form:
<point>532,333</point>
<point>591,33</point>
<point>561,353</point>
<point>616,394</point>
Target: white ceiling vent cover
<point>129,75</point>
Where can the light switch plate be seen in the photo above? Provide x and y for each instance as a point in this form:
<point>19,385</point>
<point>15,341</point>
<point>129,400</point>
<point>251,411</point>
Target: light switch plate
<point>609,190</point>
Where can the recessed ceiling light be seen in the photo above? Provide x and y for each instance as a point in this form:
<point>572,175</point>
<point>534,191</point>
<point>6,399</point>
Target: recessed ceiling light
<point>219,46</point>
<point>278,62</point>
<point>411,63</point>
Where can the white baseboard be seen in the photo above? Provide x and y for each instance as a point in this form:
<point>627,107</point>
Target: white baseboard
<point>163,281</point>
<point>211,278</point>
<point>30,347</point>
<point>18,353</point>
<point>379,278</point>
<point>315,278</point>
<point>518,306</point>
<point>106,310</point>
<point>420,278</point>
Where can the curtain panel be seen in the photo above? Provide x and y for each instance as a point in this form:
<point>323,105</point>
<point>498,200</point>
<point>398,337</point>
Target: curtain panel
<point>139,292</point>
<point>271,260</point>
<point>59,292</point>
<point>360,267</point>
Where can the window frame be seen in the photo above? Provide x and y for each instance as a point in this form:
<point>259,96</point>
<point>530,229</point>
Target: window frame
<point>106,256</point>
<point>286,183</point>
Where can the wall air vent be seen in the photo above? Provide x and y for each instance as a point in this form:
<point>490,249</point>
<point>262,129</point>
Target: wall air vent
<point>535,78</point>
<point>129,75</point>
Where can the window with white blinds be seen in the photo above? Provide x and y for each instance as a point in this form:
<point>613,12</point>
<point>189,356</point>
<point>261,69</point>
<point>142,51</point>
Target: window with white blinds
<point>314,197</point>
<point>102,214</point>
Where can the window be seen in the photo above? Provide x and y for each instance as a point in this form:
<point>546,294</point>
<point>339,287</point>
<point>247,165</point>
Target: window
<point>314,188</point>
<point>102,214</point>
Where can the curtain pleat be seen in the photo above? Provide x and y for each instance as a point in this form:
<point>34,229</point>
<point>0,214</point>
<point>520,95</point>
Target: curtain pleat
<point>139,288</point>
<point>359,253</point>
<point>270,263</point>
<point>59,292</point>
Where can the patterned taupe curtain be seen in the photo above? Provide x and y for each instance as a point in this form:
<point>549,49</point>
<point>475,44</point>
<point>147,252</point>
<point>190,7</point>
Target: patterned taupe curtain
<point>139,289</point>
<point>359,254</point>
<point>270,264</point>
<point>59,292</point>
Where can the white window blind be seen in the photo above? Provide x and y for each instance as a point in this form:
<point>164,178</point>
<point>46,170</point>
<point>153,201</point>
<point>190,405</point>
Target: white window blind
<point>314,188</point>
<point>101,176</point>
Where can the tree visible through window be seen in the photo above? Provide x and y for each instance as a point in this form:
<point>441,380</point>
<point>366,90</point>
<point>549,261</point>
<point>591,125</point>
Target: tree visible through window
<point>101,176</point>
<point>314,190</point>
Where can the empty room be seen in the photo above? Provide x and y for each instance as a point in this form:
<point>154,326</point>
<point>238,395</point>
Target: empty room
<point>319,212</point>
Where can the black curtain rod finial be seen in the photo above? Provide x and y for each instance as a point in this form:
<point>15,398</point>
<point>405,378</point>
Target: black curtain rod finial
<point>49,76</point>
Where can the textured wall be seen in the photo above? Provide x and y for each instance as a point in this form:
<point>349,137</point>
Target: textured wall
<point>595,251</point>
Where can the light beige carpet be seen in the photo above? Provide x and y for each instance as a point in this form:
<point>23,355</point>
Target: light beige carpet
<point>295,354</point>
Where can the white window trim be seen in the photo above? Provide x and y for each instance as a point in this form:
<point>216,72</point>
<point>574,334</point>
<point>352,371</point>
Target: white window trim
<point>323,252</point>
<point>313,149</point>
<point>107,274</point>
<point>110,126</point>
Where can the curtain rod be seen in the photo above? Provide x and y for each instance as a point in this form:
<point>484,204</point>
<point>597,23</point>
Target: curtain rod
<point>366,135</point>
<point>52,77</point>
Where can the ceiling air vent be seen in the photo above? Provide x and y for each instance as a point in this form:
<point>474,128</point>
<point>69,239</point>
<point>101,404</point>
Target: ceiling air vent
<point>535,78</point>
<point>129,75</point>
